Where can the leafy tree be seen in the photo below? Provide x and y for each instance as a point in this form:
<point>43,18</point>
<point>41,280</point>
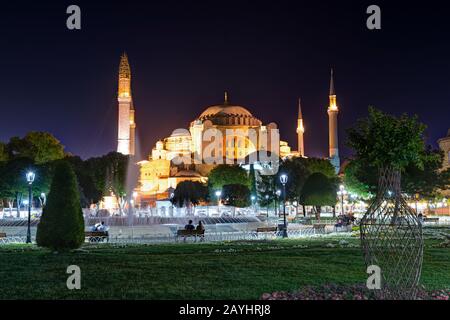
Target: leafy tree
<point>13,184</point>
<point>103,175</point>
<point>189,193</point>
<point>429,179</point>
<point>319,191</point>
<point>41,147</point>
<point>323,166</point>
<point>361,177</point>
<point>385,141</point>
<point>236,195</point>
<point>360,180</point>
<point>61,226</point>
<point>225,174</point>
<point>3,152</point>
<point>298,170</point>
<point>88,189</point>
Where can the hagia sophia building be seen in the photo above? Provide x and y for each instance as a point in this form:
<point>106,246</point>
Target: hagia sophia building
<point>166,166</point>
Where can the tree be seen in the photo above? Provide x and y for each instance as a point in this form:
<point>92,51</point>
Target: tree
<point>236,195</point>
<point>319,191</point>
<point>428,180</point>
<point>298,169</point>
<point>13,183</point>
<point>384,141</point>
<point>189,193</point>
<point>360,180</point>
<point>61,226</point>
<point>3,152</point>
<point>225,174</point>
<point>41,147</point>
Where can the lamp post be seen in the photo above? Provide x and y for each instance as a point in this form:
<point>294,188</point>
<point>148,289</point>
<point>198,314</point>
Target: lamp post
<point>267,203</point>
<point>284,180</point>
<point>278,193</point>
<point>253,203</point>
<point>342,192</point>
<point>30,178</point>
<point>218,194</point>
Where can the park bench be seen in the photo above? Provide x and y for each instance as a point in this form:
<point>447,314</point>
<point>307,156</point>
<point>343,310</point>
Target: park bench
<point>343,228</point>
<point>266,229</point>
<point>2,235</point>
<point>97,236</point>
<point>319,227</point>
<point>190,233</point>
<point>431,220</point>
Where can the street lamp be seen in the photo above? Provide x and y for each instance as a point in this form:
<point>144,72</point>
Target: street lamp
<point>278,193</point>
<point>284,180</point>
<point>267,203</point>
<point>253,203</point>
<point>30,178</point>
<point>218,194</point>
<point>342,192</point>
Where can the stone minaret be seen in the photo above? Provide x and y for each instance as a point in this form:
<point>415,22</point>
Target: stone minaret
<point>333,126</point>
<point>126,124</point>
<point>300,130</point>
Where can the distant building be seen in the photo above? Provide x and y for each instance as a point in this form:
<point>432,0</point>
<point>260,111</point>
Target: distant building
<point>172,160</point>
<point>444,144</point>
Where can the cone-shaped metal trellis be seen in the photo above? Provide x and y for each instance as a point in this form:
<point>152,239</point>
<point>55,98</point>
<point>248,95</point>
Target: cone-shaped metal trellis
<point>391,238</point>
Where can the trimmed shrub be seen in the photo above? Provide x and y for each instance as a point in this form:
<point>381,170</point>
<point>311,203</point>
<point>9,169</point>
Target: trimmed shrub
<point>62,226</point>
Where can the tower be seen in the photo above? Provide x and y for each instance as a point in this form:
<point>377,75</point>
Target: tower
<point>126,124</point>
<point>333,126</point>
<point>300,130</point>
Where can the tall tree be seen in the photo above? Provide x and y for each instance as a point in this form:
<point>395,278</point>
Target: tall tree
<point>61,226</point>
<point>225,174</point>
<point>382,141</point>
<point>3,152</point>
<point>236,195</point>
<point>189,193</point>
<point>13,185</point>
<point>41,147</point>
<point>319,191</point>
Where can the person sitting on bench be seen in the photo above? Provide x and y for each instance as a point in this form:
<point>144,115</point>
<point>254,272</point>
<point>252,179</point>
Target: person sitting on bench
<point>102,227</point>
<point>189,226</point>
<point>200,226</point>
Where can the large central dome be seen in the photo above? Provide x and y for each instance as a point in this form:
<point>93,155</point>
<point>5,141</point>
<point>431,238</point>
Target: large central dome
<point>225,110</point>
<point>227,114</point>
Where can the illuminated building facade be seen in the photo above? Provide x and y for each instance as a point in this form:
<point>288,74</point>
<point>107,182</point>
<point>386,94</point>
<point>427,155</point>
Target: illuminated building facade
<point>223,131</point>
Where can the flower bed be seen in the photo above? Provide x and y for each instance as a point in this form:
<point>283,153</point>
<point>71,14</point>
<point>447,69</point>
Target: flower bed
<point>337,292</point>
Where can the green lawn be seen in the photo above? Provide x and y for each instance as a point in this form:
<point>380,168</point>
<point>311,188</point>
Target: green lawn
<point>241,270</point>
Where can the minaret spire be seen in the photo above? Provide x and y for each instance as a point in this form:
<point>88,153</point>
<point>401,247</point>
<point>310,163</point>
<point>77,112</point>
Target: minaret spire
<point>332,92</point>
<point>333,111</point>
<point>126,124</point>
<point>300,130</point>
<point>300,116</point>
<point>225,98</point>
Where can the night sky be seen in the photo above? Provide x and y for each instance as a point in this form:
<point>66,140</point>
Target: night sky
<point>185,54</point>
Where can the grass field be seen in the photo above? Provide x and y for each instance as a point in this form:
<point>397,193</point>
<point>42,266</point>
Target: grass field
<point>235,270</point>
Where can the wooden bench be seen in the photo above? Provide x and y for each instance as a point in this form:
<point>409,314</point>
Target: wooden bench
<point>2,235</point>
<point>266,229</point>
<point>190,233</point>
<point>430,219</point>
<point>97,236</point>
<point>319,227</point>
